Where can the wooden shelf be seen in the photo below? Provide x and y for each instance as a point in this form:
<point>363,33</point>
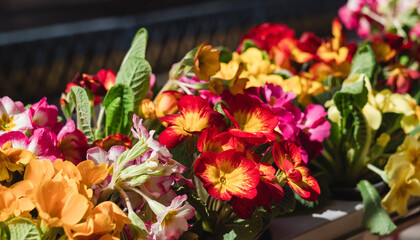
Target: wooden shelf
<point>336,220</point>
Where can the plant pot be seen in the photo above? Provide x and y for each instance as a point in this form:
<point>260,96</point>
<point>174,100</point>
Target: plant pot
<point>353,193</point>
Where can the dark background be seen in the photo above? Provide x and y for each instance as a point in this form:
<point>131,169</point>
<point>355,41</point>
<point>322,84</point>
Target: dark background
<point>44,43</point>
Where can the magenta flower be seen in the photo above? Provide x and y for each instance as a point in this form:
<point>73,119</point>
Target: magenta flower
<point>72,143</point>
<point>44,115</point>
<point>314,124</point>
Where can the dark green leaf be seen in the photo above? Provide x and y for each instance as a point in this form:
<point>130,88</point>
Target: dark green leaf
<point>375,218</point>
<point>23,228</point>
<point>246,229</point>
<point>363,61</point>
<point>135,73</point>
<point>225,54</point>
<point>4,231</point>
<point>325,96</point>
<point>286,205</point>
<point>119,105</point>
<point>83,108</point>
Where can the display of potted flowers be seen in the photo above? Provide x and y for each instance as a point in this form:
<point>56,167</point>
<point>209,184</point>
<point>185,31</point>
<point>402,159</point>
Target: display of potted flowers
<point>230,141</point>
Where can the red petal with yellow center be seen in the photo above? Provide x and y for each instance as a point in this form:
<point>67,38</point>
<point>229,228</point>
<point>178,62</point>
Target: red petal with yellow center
<point>195,116</point>
<point>308,188</point>
<point>212,140</point>
<point>251,120</point>
<point>227,174</point>
<point>288,159</point>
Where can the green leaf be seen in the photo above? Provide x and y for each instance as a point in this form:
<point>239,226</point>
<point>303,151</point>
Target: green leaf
<point>225,54</point>
<point>246,229</point>
<point>4,231</point>
<point>248,44</point>
<point>353,93</point>
<point>81,102</point>
<point>138,45</point>
<point>137,227</point>
<point>363,61</point>
<point>23,228</point>
<point>119,106</point>
<point>135,72</point>
<point>286,205</point>
<point>375,218</point>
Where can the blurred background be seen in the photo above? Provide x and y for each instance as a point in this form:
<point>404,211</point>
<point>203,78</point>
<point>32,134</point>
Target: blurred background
<point>44,43</point>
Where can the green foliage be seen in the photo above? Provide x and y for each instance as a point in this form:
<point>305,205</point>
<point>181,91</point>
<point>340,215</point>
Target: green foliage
<point>363,61</point>
<point>80,100</point>
<point>135,72</point>
<point>248,44</point>
<point>225,54</point>
<point>375,218</point>
<point>23,228</point>
<point>246,229</point>
<point>119,107</point>
<point>137,227</point>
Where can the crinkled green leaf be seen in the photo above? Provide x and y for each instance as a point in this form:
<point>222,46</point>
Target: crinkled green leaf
<point>119,107</point>
<point>135,72</point>
<point>138,45</point>
<point>83,108</point>
<point>375,218</point>
<point>363,61</point>
<point>353,93</point>
<point>248,44</point>
<point>23,228</point>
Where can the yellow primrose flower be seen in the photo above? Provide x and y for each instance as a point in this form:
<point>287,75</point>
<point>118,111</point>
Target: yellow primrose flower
<point>404,174</point>
<point>304,88</point>
<point>255,63</point>
<point>13,159</point>
<point>400,103</point>
<point>206,62</point>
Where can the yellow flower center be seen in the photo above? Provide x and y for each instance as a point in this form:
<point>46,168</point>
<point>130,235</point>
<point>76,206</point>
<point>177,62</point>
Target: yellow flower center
<point>6,123</point>
<point>169,218</point>
<point>223,180</point>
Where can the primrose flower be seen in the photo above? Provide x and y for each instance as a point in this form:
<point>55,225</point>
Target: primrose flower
<point>206,62</point>
<point>195,116</point>
<point>106,78</point>
<point>13,116</point>
<point>314,124</point>
<point>167,103</point>
<point>268,192</point>
<point>401,79</point>
<point>212,140</point>
<point>289,160</point>
<point>113,140</point>
<point>334,50</point>
<point>251,121</point>
<point>304,88</point>
<point>44,115</point>
<point>172,222</point>
<point>403,172</point>
<point>227,174</point>
<point>8,203</point>
<point>72,143</point>
<point>12,160</point>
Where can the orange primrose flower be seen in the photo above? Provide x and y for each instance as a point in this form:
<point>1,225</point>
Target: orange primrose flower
<point>288,159</point>
<point>195,116</point>
<point>8,203</point>
<point>12,160</point>
<point>251,121</point>
<point>206,62</point>
<point>227,174</point>
<point>167,103</point>
<point>334,50</point>
<point>106,220</point>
